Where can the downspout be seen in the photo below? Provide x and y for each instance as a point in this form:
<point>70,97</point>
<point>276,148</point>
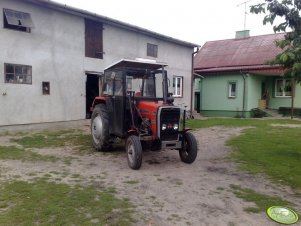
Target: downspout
<point>192,79</point>
<point>244,76</point>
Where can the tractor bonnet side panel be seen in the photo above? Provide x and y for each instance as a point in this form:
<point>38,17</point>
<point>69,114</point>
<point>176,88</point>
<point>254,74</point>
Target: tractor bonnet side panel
<point>149,110</point>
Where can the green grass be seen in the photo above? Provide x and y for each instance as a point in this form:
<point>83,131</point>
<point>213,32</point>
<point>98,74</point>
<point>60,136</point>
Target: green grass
<point>56,139</point>
<point>274,151</point>
<point>14,153</point>
<point>265,149</point>
<point>44,203</point>
<point>231,122</point>
<point>263,202</point>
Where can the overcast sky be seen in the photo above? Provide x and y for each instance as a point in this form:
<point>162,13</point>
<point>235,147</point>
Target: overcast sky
<point>195,21</point>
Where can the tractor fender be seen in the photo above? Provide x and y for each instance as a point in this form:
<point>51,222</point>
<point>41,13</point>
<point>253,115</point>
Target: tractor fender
<point>132,132</point>
<point>186,130</point>
<point>98,100</point>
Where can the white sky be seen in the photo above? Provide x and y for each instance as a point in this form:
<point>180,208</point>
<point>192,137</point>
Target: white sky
<point>195,21</point>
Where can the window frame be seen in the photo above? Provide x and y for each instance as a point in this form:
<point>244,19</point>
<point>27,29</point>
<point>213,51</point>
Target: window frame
<point>15,80</point>
<point>230,84</point>
<point>284,85</point>
<point>20,21</point>
<point>175,86</point>
<point>152,50</point>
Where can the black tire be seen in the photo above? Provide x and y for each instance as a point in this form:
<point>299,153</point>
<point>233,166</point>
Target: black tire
<point>134,152</point>
<point>100,128</point>
<point>189,151</point>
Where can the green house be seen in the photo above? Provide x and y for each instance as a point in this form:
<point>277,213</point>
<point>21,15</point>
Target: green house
<point>232,77</point>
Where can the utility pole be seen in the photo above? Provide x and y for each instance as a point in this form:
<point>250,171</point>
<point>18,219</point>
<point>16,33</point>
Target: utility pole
<point>246,13</point>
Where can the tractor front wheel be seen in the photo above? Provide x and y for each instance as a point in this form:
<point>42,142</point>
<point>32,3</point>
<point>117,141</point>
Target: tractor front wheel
<point>189,150</point>
<point>134,152</point>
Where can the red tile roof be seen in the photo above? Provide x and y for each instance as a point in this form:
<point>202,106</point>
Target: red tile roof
<point>237,54</point>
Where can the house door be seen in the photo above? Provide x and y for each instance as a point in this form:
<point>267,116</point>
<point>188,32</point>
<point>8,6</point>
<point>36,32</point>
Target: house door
<point>197,105</point>
<point>92,91</point>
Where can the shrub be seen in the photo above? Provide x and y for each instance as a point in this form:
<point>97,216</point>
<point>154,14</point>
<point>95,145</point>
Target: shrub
<point>258,113</point>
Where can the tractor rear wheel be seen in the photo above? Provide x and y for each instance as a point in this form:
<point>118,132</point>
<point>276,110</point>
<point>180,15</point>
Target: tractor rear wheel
<point>100,128</point>
<point>189,151</point>
<point>134,152</point>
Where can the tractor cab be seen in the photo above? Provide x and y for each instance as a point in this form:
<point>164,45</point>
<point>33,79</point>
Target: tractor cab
<point>134,104</point>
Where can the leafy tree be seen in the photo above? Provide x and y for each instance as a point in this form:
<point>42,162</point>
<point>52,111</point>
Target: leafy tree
<point>288,11</point>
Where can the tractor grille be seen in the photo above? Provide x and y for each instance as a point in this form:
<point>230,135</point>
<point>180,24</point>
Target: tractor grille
<point>169,117</point>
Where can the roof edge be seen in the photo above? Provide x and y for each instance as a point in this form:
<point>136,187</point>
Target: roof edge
<point>234,39</point>
<point>241,68</point>
<point>114,22</point>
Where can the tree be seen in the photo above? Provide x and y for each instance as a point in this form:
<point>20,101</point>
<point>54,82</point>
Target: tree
<point>290,57</point>
<point>289,12</point>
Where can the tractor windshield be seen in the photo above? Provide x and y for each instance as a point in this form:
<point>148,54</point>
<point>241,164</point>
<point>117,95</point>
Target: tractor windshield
<point>145,84</point>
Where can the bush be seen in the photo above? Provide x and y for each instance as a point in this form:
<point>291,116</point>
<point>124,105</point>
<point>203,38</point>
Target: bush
<point>286,111</point>
<point>258,113</point>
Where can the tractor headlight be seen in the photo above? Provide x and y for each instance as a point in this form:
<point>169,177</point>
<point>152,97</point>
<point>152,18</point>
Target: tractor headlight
<point>163,126</point>
<point>175,126</point>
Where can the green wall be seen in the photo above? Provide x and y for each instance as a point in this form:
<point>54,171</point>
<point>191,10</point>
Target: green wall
<point>215,101</point>
<point>254,83</point>
<point>214,93</point>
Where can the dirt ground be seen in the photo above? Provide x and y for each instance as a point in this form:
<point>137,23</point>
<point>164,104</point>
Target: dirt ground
<point>165,190</point>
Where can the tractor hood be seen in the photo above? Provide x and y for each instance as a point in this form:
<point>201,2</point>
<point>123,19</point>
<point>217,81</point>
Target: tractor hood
<point>149,110</point>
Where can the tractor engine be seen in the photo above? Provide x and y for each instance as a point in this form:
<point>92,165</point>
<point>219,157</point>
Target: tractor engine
<point>166,123</point>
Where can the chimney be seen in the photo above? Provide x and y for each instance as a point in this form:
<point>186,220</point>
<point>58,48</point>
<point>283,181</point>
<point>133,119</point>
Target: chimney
<point>242,34</point>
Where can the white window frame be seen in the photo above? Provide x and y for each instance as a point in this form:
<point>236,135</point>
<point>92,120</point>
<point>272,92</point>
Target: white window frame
<point>230,84</point>
<point>177,92</point>
<point>283,89</point>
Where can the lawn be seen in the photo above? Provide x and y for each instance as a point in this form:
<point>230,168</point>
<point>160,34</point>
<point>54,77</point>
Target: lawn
<point>41,202</point>
<point>274,151</point>
<point>44,203</point>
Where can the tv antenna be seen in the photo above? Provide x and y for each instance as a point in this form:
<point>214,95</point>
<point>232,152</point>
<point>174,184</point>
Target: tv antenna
<point>246,13</point>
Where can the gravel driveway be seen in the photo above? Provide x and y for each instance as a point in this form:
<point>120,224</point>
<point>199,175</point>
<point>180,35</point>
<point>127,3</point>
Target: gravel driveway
<point>165,190</point>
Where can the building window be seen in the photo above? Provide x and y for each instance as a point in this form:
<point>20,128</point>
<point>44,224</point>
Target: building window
<point>19,74</point>
<point>16,20</point>
<point>46,88</point>
<point>93,39</point>
<point>177,86</point>
<point>152,50</point>
<point>232,90</point>
<point>283,88</point>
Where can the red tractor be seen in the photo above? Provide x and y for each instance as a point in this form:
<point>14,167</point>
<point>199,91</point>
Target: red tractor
<point>134,104</point>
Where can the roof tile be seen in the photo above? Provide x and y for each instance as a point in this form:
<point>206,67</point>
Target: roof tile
<point>249,51</point>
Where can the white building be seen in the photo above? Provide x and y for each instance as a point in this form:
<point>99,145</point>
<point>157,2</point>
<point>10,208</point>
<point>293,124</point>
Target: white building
<point>49,52</point>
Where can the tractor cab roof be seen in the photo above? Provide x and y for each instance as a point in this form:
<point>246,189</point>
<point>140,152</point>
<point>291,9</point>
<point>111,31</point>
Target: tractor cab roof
<point>144,64</point>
